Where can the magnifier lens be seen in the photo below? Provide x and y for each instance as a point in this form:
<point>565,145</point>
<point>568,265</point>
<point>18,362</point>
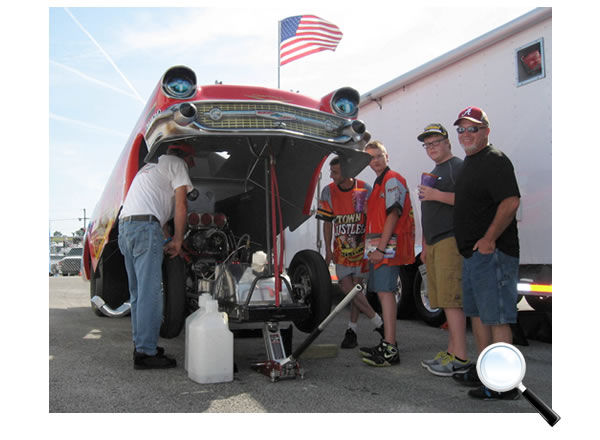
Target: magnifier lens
<point>501,368</point>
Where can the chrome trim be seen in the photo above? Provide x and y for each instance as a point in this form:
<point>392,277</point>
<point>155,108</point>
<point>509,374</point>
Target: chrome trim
<point>216,114</point>
<point>123,310</point>
<point>235,117</point>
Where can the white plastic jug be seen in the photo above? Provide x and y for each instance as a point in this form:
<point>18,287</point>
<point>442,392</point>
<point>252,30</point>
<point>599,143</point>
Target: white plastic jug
<point>196,315</point>
<point>210,347</point>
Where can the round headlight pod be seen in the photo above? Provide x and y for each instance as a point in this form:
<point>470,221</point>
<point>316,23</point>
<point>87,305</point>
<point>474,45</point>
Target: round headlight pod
<point>344,106</point>
<point>179,87</point>
<point>345,102</point>
<point>179,82</point>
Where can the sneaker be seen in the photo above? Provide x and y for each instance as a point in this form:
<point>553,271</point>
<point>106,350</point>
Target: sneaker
<point>368,351</point>
<point>350,340</point>
<point>436,360</point>
<point>449,366</point>
<point>484,393</point>
<point>159,351</point>
<point>143,361</point>
<point>468,377</point>
<point>385,355</point>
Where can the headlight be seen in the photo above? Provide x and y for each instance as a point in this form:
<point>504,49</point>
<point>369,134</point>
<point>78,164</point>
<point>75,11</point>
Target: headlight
<point>345,102</point>
<point>179,82</point>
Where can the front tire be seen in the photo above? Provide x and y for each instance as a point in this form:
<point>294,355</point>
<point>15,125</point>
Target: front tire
<point>173,297</point>
<point>311,283</point>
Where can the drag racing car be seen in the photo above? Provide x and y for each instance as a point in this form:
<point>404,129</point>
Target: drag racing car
<point>258,155</point>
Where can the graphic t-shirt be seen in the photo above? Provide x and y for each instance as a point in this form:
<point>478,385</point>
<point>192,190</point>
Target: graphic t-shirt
<point>347,210</point>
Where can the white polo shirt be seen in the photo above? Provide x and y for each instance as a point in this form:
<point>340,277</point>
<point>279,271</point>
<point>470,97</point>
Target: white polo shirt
<point>153,188</point>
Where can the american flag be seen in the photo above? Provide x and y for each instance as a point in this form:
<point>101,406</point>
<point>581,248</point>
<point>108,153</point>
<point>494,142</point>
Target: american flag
<point>303,35</point>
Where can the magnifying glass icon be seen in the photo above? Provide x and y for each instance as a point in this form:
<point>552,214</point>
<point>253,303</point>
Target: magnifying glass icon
<point>501,367</point>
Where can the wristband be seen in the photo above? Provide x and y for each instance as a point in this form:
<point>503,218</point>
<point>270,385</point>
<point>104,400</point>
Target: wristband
<point>377,249</point>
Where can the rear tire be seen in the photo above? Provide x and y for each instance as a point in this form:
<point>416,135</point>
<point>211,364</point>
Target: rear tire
<point>173,297</point>
<point>435,317</point>
<point>109,280</point>
<point>311,283</point>
<point>540,303</point>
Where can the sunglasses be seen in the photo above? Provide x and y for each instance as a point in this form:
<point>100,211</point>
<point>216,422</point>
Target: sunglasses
<point>461,130</point>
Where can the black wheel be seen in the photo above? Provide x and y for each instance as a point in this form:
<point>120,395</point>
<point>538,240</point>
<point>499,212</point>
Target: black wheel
<point>312,286</point>
<point>173,297</point>
<point>109,280</point>
<point>432,316</point>
<point>94,281</point>
<point>539,303</point>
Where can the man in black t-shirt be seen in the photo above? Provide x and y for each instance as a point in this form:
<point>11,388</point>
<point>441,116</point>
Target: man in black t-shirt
<point>486,202</point>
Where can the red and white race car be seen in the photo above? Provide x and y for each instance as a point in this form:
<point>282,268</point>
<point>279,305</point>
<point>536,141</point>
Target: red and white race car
<point>258,156</point>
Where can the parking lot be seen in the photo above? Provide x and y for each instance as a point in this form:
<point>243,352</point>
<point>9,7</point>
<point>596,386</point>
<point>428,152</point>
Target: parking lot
<point>90,370</point>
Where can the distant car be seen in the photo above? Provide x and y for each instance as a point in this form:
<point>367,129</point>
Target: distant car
<point>71,263</point>
<point>54,259</point>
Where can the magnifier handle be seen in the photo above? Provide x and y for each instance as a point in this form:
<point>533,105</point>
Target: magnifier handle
<point>546,412</point>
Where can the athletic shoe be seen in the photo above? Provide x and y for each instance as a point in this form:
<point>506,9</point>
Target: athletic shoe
<point>158,361</point>
<point>469,377</point>
<point>349,339</point>
<point>159,351</point>
<point>436,360</point>
<point>484,393</point>
<point>385,355</point>
<point>449,366</point>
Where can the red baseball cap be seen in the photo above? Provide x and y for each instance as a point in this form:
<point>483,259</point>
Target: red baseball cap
<point>186,148</point>
<point>473,114</point>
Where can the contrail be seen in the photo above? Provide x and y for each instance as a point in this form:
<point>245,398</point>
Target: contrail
<point>86,125</point>
<point>93,80</point>
<point>109,59</point>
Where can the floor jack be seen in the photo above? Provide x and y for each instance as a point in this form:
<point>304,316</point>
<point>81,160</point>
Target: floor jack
<point>280,367</point>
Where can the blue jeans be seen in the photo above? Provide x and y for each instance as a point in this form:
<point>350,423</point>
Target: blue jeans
<point>383,279</point>
<point>141,243</point>
<point>490,287</point>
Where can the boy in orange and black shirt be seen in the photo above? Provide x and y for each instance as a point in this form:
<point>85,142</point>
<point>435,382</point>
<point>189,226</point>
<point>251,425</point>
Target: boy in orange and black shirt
<point>342,207</point>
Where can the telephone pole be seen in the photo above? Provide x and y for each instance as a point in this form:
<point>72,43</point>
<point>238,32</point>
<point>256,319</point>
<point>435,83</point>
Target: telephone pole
<point>84,219</point>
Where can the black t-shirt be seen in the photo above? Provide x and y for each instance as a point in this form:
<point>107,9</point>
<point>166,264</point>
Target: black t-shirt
<point>487,178</point>
<point>437,217</point>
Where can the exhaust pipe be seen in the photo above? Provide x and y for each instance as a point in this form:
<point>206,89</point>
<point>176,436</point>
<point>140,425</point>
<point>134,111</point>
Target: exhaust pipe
<point>185,114</point>
<point>123,310</point>
<point>356,129</point>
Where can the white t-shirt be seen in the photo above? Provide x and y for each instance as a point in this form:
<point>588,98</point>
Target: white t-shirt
<point>153,188</point>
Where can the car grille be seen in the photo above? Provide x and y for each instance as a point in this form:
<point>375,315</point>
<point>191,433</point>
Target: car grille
<point>71,265</point>
<point>266,116</point>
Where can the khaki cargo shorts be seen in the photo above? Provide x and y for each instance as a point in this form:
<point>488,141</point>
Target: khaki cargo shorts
<point>444,274</point>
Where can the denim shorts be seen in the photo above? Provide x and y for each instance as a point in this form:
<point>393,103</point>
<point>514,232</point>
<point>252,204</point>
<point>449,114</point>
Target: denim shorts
<point>490,287</point>
<point>383,279</point>
<point>342,271</point>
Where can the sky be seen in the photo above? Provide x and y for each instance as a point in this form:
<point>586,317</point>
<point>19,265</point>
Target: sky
<point>104,63</point>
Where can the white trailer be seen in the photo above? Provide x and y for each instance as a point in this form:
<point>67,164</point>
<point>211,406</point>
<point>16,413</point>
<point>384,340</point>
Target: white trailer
<point>497,72</point>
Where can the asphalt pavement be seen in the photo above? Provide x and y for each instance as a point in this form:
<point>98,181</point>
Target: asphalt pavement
<point>91,371</point>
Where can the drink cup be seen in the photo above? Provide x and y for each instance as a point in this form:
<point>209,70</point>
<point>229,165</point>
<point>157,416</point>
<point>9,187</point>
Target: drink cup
<point>428,179</point>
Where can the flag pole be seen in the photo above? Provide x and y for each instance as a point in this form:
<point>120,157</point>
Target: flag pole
<point>278,53</point>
